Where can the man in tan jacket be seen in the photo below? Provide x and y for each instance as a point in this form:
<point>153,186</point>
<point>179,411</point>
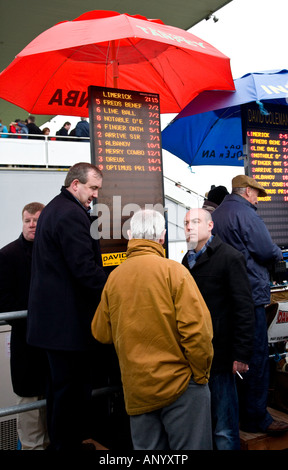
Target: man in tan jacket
<point>153,312</point>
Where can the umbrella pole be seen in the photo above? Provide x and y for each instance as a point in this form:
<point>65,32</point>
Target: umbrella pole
<point>114,65</point>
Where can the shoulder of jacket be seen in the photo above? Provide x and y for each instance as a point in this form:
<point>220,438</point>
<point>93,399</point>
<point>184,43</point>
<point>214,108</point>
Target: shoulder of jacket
<point>66,200</point>
<point>178,271</point>
<point>231,251</point>
<point>11,246</point>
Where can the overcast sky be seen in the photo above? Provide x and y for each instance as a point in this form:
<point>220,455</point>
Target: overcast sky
<point>253,34</point>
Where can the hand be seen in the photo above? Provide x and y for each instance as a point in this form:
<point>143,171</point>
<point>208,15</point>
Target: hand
<point>241,367</point>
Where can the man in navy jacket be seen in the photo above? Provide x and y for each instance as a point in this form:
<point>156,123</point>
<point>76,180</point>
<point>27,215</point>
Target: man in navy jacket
<point>238,224</point>
<point>82,128</point>
<point>66,283</point>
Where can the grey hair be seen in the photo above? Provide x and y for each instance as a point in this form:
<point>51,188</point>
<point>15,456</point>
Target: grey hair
<point>238,191</point>
<point>148,224</point>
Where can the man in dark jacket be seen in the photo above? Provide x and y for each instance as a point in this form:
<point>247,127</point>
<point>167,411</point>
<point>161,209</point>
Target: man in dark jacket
<point>29,366</point>
<point>33,129</point>
<point>238,224</point>
<point>64,130</point>
<point>66,284</point>
<point>220,273</point>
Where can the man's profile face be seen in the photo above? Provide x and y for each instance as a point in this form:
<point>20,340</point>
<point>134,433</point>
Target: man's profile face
<point>29,225</point>
<point>86,192</point>
<point>252,195</point>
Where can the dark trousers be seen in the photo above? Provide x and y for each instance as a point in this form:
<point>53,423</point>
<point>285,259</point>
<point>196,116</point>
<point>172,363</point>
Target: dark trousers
<point>224,409</point>
<point>69,399</point>
<point>253,389</point>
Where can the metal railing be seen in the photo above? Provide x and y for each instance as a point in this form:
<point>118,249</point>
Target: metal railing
<point>44,151</point>
<point>15,409</point>
<point>5,317</point>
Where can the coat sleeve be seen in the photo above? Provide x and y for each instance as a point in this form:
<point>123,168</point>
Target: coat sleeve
<point>258,240</point>
<point>7,294</point>
<point>101,325</point>
<point>73,234</point>
<point>242,308</point>
<point>194,325</point>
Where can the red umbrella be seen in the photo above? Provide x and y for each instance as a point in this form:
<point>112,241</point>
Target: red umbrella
<point>52,74</point>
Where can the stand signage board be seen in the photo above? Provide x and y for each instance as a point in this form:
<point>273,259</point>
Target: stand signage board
<point>125,138</point>
<point>267,152</point>
<point>278,329</point>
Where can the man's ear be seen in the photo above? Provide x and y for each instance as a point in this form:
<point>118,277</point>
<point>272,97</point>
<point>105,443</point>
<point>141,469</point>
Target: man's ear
<point>247,191</point>
<point>74,185</point>
<point>162,237</point>
<point>129,234</point>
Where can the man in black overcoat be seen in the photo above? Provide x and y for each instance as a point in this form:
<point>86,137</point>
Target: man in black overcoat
<point>28,365</point>
<point>66,284</point>
<point>220,273</point>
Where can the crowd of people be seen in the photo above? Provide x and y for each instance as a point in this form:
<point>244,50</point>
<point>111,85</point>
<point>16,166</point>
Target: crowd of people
<point>24,129</point>
<point>190,337</point>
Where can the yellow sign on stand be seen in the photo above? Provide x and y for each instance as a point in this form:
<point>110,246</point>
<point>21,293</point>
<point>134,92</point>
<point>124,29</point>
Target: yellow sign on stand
<point>113,259</point>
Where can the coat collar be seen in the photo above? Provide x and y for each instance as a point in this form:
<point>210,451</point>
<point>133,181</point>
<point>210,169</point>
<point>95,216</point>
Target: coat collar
<point>138,247</point>
<point>211,248</point>
<point>240,199</point>
<point>70,196</point>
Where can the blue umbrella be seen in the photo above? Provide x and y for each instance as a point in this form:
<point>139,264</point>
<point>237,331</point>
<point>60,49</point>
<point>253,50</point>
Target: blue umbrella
<point>208,131</point>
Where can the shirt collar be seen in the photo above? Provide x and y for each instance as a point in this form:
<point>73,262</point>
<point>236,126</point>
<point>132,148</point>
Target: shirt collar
<point>193,256</point>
